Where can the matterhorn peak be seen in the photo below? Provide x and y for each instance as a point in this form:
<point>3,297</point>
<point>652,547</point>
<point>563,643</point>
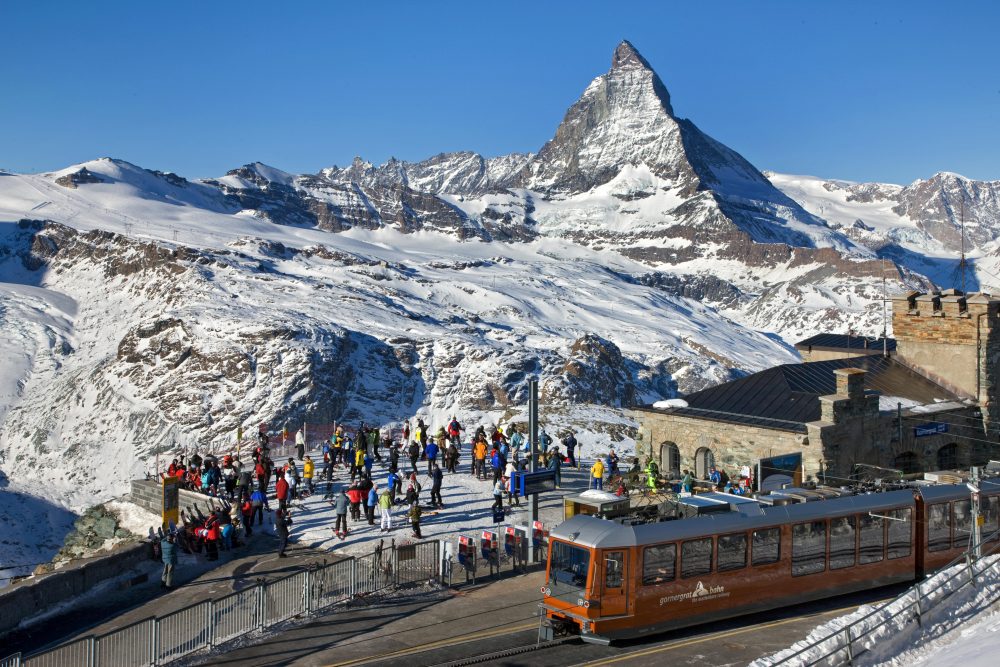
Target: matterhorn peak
<point>627,55</point>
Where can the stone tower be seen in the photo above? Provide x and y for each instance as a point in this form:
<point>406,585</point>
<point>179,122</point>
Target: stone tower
<point>954,339</point>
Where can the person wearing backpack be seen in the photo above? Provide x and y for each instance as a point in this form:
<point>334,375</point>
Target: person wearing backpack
<point>340,507</point>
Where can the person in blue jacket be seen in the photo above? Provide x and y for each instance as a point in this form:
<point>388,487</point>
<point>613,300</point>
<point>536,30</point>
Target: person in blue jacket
<point>432,453</point>
<point>370,504</point>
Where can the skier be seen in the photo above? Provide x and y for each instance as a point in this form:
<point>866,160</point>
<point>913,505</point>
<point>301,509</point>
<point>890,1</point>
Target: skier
<point>652,472</point>
<point>414,452</point>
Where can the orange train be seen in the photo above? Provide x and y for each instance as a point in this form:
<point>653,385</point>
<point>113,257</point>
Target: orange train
<point>608,580</point>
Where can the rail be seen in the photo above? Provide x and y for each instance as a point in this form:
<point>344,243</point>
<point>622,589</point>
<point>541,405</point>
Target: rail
<point>209,624</point>
<point>845,644</point>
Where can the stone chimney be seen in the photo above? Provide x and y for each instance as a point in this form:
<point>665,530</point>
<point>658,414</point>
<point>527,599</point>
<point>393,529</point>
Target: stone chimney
<point>850,382</point>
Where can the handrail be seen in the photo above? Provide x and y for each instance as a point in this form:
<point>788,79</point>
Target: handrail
<point>967,557</point>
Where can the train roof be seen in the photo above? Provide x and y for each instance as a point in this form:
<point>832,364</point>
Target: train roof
<point>748,515</point>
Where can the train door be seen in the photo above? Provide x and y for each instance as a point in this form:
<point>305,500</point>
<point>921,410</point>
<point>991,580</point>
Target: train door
<point>614,595</point>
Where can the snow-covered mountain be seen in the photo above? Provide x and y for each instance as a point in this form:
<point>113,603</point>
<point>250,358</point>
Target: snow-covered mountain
<point>631,258</point>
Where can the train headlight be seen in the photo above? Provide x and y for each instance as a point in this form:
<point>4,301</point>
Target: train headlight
<point>580,602</point>
<point>546,591</point>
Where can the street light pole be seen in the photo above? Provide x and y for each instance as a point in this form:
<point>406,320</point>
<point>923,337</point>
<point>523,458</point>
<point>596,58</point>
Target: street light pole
<point>533,438</point>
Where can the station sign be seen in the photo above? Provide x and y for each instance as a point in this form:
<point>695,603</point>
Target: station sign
<point>529,483</point>
<point>171,501</point>
<point>930,428</point>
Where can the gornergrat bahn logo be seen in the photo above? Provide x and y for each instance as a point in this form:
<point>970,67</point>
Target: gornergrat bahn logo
<point>699,594</point>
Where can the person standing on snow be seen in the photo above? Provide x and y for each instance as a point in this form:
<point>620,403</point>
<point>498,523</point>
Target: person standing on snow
<point>281,523</point>
<point>370,505</point>
<point>437,477</point>
<point>308,468</point>
<point>432,453</point>
<point>300,443</point>
<point>597,475</point>
<point>281,491</point>
<point>340,508</point>
<point>385,503</point>
<point>455,432</point>
<point>570,443</point>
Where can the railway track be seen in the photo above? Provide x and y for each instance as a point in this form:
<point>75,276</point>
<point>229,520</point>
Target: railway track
<point>733,642</point>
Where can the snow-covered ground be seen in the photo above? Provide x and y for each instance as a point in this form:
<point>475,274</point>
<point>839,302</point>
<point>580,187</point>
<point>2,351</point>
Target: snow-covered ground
<point>960,629</point>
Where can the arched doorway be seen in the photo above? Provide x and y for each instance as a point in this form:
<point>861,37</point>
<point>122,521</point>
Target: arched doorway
<point>703,460</point>
<point>907,462</point>
<point>947,457</point>
<point>670,459</point>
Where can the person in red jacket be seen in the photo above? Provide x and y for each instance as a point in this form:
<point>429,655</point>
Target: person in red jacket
<point>354,495</point>
<point>281,490</point>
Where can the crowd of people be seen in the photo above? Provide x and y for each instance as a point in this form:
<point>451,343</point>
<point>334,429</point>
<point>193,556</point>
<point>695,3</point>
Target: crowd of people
<point>347,460</point>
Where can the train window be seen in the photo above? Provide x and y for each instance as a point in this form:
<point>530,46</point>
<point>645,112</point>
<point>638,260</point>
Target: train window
<point>732,551</point>
<point>962,519</point>
<point>766,546</point>
<point>938,527</point>
<point>696,557</point>
<point>808,548</point>
<point>613,569</point>
<point>872,534</point>
<point>568,566</point>
<point>658,564</point>
<point>900,532</point>
<point>842,542</point>
<point>990,507</point>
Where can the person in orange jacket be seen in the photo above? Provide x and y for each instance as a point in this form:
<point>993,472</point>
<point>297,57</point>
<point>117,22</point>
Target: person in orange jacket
<point>479,452</point>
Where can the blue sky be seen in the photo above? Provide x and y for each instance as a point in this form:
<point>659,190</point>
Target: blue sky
<point>889,91</point>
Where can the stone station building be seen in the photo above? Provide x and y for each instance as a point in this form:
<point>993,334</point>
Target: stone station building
<point>925,406</point>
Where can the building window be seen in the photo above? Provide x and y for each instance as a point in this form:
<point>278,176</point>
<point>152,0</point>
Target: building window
<point>947,457</point>
<point>938,527</point>
<point>872,532</point>
<point>658,564</point>
<point>962,535</point>
<point>842,542</point>
<point>670,459</point>
<point>732,551</point>
<point>696,558</point>
<point>900,532</point>
<point>906,463</point>
<point>766,546</point>
<point>808,548</point>
<point>703,460</point>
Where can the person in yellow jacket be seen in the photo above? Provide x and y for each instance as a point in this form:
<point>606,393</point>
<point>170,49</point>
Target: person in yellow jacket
<point>479,460</point>
<point>597,475</point>
<point>359,463</point>
<point>308,468</point>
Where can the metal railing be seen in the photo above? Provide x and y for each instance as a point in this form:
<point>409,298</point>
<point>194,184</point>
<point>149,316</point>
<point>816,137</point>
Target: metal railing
<point>844,645</point>
<point>205,625</point>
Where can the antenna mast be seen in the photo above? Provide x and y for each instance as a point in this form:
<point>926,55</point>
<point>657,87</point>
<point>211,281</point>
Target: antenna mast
<point>961,262</point>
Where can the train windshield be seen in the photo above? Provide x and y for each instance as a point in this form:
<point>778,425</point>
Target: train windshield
<point>568,567</point>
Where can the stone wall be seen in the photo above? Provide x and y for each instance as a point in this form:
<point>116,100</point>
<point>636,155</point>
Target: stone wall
<point>732,445</point>
<point>147,493</point>
<point>30,597</point>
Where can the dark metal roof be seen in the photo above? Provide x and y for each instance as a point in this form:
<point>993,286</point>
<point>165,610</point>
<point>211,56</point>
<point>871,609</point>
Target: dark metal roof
<point>787,397</point>
<point>845,342</point>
